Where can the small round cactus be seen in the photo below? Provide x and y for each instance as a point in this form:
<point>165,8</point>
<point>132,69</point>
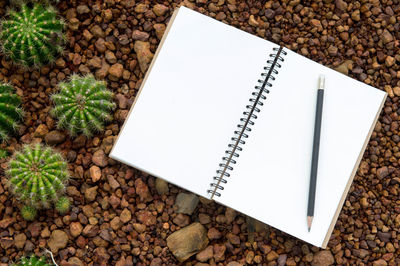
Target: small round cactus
<point>28,213</point>
<point>37,175</point>
<point>10,112</point>
<point>32,36</point>
<point>62,205</point>
<point>32,260</point>
<point>82,105</point>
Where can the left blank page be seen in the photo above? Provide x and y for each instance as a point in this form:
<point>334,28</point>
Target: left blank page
<point>191,100</point>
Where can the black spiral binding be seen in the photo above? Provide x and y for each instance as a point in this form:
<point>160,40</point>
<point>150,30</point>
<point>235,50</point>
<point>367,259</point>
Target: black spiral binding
<point>246,122</point>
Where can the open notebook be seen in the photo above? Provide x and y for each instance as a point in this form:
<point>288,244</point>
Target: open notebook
<point>198,94</point>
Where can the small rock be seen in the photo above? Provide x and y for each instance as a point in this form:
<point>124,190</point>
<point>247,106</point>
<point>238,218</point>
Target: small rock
<point>213,233</point>
<point>253,22</point>
<point>344,67</point>
<point>219,252</point>
<point>6,222</point>
<point>110,57</point>
<point>186,203</point>
<point>384,236</point>
<point>382,172</point>
<point>181,220</point>
<point>332,50</point>
<point>386,36</point>
<point>115,72</point>
<point>396,91</point>
<point>82,9</point>
<point>73,24</point>
<point>95,173</point>
<point>234,263</point>
<point>101,256</point>
<point>91,193</point>
<point>112,182</point>
<point>79,142</point>
<point>380,262</point>
<point>233,239</point>
<point>341,5</point>
<point>58,240</point>
<point>6,242</point>
<point>356,15</point>
<point>155,262</point>
<point>323,258</point>
<point>144,55</point>
<point>161,186</point>
<point>41,131</point>
<point>54,137</point>
<point>75,228</point>
<point>19,240</point>
<point>390,61</point>
<point>87,35</point>
<point>125,216</point>
<point>141,8</point>
<point>146,218</point>
<point>204,218</point>
<point>282,259</point>
<point>100,45</point>
<point>115,223</point>
<point>74,261</point>
<point>250,257</point>
<point>97,31</point>
<point>160,29</point>
<point>206,254</point>
<point>99,158</point>
<point>90,230</point>
<point>143,191</point>
<point>138,35</point>
<point>95,62</point>
<point>160,10</point>
<point>140,228</point>
<point>122,101</point>
<point>316,23</point>
<point>108,15</point>
<point>187,241</point>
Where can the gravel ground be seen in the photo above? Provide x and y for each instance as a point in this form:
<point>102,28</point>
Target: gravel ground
<point>121,216</point>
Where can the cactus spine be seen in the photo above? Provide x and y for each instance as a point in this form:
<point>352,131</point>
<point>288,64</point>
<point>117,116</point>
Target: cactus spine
<point>83,105</point>
<point>32,36</point>
<point>37,175</point>
<point>10,112</point>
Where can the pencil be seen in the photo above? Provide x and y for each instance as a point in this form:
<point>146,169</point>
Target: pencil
<point>315,152</point>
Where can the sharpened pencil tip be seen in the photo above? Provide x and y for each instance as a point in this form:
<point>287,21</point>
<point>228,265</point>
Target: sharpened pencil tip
<point>309,222</point>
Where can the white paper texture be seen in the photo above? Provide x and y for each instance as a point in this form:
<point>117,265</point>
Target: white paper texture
<point>192,100</point>
<point>271,179</point>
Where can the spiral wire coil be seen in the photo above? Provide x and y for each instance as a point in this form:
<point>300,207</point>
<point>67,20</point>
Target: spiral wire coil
<point>247,121</point>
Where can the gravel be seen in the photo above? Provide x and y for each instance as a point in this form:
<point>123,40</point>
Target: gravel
<point>121,216</point>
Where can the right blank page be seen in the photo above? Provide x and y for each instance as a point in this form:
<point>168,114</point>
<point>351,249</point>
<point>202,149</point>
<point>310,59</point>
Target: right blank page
<point>270,181</point>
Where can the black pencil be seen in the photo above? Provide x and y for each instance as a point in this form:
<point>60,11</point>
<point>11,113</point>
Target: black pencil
<point>315,152</point>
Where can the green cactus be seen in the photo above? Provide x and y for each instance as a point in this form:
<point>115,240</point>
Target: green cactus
<point>37,175</point>
<point>32,260</point>
<point>32,37</point>
<point>3,154</point>
<point>62,205</point>
<point>28,213</point>
<point>82,105</point>
<point>10,112</point>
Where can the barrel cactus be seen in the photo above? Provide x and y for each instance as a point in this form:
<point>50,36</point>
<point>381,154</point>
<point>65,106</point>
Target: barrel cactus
<point>83,105</point>
<point>32,260</point>
<point>37,176</point>
<point>10,111</point>
<point>32,36</point>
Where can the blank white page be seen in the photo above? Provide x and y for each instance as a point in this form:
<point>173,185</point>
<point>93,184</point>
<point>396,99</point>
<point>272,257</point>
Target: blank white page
<point>190,101</point>
<point>271,179</point>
